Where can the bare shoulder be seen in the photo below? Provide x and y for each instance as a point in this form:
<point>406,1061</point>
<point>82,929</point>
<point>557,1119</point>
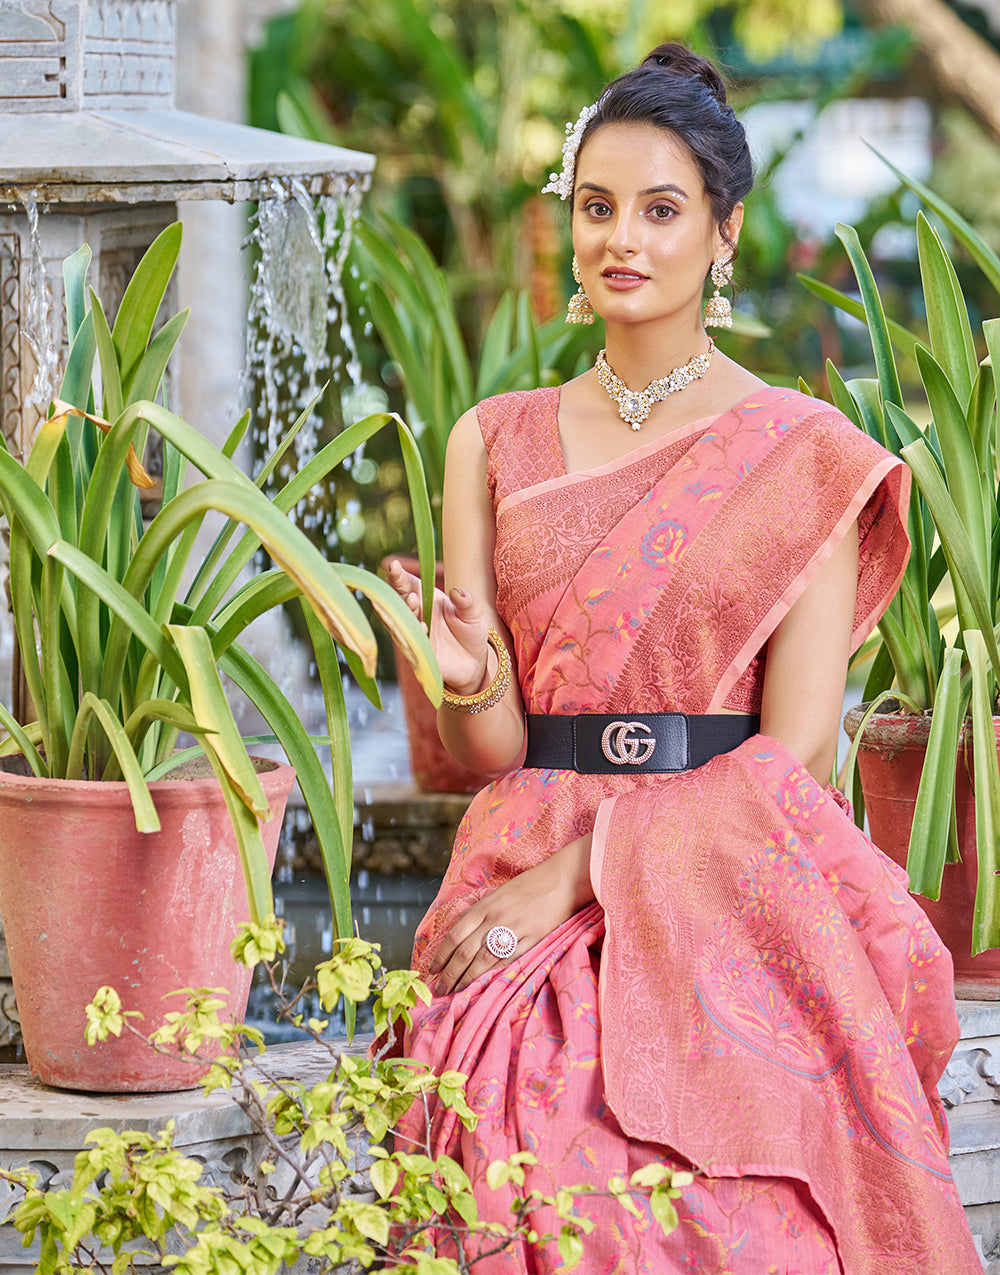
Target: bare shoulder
<point>465,442</point>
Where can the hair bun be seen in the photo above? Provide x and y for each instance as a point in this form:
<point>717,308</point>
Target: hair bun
<point>679,60</point>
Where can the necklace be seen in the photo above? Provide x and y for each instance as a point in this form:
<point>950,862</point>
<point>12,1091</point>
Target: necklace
<point>634,405</point>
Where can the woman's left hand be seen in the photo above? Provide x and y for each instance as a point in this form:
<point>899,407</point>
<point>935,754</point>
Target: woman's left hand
<point>531,905</point>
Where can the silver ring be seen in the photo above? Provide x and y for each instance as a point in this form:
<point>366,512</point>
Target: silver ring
<point>501,942</point>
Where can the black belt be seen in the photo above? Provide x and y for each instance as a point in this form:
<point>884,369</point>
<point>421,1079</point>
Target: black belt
<point>634,743</point>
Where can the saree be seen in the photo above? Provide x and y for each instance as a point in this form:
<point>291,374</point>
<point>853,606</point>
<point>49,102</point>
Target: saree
<point>753,996</point>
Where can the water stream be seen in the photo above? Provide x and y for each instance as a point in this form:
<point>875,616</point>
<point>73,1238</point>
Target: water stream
<point>43,318</point>
<point>294,309</point>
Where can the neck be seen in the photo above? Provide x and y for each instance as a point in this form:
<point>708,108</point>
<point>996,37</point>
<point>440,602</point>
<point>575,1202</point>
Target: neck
<point>641,353</point>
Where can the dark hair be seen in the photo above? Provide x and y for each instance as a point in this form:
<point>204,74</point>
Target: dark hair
<point>681,92</point>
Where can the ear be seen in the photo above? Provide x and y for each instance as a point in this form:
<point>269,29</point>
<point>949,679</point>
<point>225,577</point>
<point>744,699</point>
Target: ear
<point>732,227</point>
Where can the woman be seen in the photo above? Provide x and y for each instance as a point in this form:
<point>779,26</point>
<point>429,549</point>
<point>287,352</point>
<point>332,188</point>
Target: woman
<point>661,938</point>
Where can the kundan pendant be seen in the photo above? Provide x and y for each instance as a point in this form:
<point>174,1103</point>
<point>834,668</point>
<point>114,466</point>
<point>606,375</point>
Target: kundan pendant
<point>634,405</point>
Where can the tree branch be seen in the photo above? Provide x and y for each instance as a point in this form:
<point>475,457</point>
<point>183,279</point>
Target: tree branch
<point>962,64</point>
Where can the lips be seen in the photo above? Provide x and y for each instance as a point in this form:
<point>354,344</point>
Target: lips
<point>619,273</point>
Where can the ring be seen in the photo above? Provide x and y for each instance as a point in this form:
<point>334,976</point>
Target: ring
<point>501,942</point>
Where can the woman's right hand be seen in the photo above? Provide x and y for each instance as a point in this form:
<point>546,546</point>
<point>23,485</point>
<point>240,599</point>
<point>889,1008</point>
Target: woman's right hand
<point>457,630</point>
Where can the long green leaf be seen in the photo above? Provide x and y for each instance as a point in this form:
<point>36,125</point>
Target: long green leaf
<point>885,364</point>
<point>111,380</point>
<point>249,842</point>
<point>947,317</point>
<point>328,670</point>
<point>433,284</point>
<point>146,818</point>
<point>289,437</point>
<point>402,625</point>
<point>902,339</point>
<point>19,740</point>
<point>971,590</point>
<point>75,269</point>
<point>867,396</point>
<point>387,262</point>
<point>261,689</point>
<point>496,343</point>
<point>989,436</point>
<point>236,435</point>
<point>288,547</point>
<point>77,379</point>
<point>529,336</point>
<point>961,464</point>
<point>843,399</point>
<point>420,507</point>
<point>255,598</point>
<point>60,699</point>
<point>314,472</point>
<point>213,713</point>
<point>907,661</point>
<point>936,795</point>
<point>43,453</point>
<point>986,914</point>
<point>403,352</point>
<point>145,382</point>
<point>907,429</point>
<point>982,254</point>
<point>97,522</point>
<point>132,614</point>
<point>143,298</point>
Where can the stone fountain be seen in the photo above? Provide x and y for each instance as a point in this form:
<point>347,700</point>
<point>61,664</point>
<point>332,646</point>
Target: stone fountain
<point>93,149</point>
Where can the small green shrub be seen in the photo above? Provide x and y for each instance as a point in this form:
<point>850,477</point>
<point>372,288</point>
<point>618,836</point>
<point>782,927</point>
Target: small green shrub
<point>331,1186</point>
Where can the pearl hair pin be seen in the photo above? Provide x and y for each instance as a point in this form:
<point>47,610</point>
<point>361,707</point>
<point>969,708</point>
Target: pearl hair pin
<point>561,184</point>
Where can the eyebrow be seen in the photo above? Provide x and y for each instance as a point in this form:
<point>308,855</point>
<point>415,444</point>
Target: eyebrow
<point>650,190</point>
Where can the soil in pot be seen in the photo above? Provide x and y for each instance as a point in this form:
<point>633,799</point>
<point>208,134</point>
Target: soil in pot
<point>87,901</point>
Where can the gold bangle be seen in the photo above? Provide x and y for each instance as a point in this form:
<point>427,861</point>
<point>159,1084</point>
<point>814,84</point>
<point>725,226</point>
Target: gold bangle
<point>493,693</point>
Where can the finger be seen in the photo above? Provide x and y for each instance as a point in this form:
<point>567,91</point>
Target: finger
<point>402,581</point>
<point>466,963</point>
<point>465,604</point>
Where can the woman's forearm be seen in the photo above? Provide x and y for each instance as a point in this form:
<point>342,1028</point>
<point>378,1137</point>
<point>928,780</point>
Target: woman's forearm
<point>490,742</point>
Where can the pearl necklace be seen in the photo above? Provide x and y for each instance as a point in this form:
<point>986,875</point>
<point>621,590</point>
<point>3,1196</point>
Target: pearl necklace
<point>634,405</point>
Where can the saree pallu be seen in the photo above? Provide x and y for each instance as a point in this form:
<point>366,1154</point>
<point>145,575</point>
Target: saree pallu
<point>753,994</point>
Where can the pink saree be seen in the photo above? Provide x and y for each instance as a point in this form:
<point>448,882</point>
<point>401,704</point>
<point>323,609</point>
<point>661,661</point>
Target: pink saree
<point>753,995</point>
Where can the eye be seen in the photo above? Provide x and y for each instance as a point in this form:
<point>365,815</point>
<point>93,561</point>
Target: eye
<point>663,212</point>
<point>597,208</point>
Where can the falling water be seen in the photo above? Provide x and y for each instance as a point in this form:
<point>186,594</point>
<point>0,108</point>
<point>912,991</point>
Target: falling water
<point>292,310</point>
<point>41,328</point>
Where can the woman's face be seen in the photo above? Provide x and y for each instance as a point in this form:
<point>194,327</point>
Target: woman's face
<point>643,230</point>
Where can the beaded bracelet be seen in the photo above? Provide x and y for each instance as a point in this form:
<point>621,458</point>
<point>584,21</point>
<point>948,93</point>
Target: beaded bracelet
<point>493,693</point>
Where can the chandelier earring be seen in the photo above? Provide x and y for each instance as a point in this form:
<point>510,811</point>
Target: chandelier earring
<point>718,311</point>
<point>579,309</point>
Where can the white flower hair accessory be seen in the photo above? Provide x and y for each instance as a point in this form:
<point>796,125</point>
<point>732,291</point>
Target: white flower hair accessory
<point>561,184</point>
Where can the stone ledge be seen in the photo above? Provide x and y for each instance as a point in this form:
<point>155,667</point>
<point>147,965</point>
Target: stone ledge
<point>33,1115</point>
<point>43,1128</point>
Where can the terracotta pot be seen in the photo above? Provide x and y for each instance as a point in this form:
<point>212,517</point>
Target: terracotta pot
<point>87,901</point>
<point>890,762</point>
<point>434,769</point>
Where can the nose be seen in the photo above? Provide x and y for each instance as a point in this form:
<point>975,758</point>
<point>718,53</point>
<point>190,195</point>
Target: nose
<point>623,234</point>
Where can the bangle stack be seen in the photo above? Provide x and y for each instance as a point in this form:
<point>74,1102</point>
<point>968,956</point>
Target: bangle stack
<point>493,693</point>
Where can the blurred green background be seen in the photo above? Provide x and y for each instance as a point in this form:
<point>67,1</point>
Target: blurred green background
<point>464,104</point>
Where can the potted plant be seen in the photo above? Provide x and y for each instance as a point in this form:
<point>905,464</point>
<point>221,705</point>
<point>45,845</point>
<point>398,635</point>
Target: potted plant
<point>119,654</point>
<point>413,309</point>
<point>927,742</point>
